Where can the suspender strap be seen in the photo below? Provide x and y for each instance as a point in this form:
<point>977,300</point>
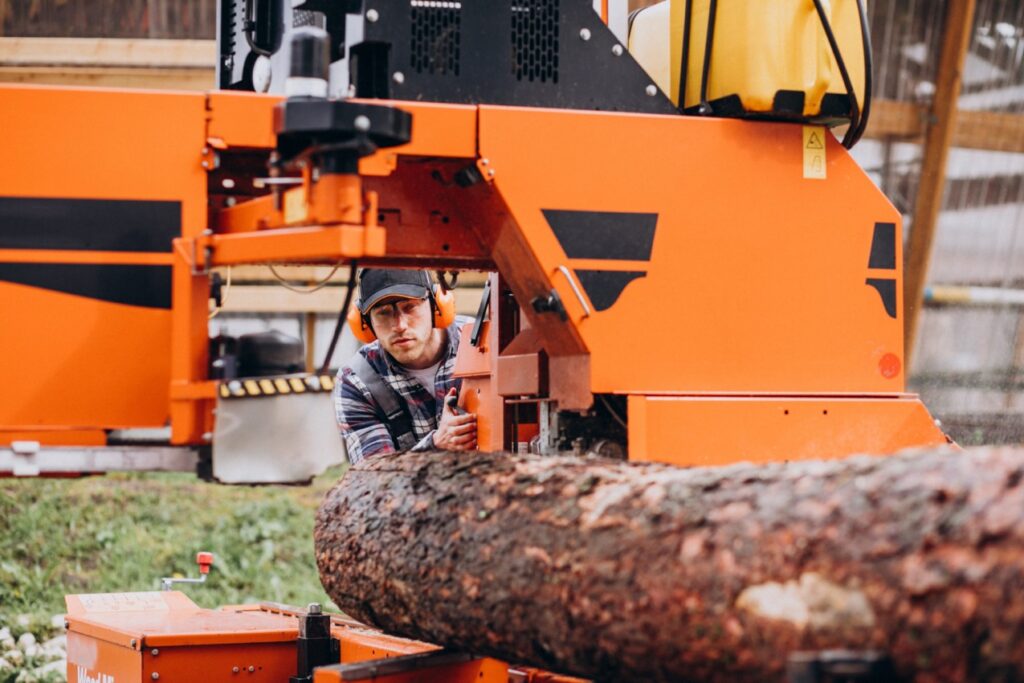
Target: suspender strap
<point>396,413</point>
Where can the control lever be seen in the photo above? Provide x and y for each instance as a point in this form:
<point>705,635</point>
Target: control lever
<point>203,559</point>
<point>451,402</point>
<point>482,313</point>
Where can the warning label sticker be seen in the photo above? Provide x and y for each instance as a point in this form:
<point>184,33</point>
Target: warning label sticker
<point>814,152</point>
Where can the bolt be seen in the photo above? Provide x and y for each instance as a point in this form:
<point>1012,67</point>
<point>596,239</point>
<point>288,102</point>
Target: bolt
<point>314,608</point>
<point>485,162</point>
<point>490,172</point>
<point>132,642</point>
<point>205,164</point>
<point>585,33</point>
<point>155,676</point>
<point>155,652</point>
<point>372,16</point>
<point>398,77</point>
<point>208,436</point>
<point>234,669</point>
<point>206,150</point>
<point>362,123</point>
<point>652,90</point>
<point>617,50</point>
<point>251,668</point>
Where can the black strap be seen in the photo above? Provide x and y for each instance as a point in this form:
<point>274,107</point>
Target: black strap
<point>396,414</point>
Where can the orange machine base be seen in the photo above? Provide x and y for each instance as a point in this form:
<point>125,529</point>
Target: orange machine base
<point>721,430</point>
<point>164,636</point>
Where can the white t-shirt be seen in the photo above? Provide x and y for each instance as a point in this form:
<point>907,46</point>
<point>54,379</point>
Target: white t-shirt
<point>425,376</point>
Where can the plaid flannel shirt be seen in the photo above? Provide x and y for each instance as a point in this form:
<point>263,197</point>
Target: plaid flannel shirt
<point>361,420</point>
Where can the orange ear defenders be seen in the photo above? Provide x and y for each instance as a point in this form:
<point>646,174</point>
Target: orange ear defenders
<point>441,300</point>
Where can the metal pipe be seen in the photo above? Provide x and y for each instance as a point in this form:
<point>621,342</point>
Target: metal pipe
<point>973,296</point>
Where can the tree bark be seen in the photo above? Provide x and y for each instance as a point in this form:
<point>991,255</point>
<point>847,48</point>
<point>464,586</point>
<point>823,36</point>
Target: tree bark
<point>649,572</point>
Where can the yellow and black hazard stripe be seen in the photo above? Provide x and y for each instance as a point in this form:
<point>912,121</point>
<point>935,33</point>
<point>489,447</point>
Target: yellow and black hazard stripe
<point>253,387</point>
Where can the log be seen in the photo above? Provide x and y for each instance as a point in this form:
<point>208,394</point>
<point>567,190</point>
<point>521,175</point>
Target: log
<point>626,571</point>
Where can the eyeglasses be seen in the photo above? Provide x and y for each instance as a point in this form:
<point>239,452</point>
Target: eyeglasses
<point>387,314</point>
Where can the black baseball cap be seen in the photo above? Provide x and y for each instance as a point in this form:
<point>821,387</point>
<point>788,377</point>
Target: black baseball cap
<point>378,284</point>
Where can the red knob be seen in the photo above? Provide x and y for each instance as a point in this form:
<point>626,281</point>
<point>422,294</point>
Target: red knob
<point>205,561</point>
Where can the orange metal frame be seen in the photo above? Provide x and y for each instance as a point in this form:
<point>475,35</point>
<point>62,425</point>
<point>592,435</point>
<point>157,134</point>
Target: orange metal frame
<point>137,637</point>
<point>754,300</point>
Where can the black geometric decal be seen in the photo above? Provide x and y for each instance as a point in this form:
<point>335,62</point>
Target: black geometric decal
<point>604,286</point>
<point>609,235</point>
<point>883,247</point>
<point>148,286</point>
<point>887,290</point>
<point>88,224</point>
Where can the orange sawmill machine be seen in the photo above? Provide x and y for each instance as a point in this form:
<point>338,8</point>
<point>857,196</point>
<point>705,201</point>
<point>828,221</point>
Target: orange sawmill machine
<point>687,265</point>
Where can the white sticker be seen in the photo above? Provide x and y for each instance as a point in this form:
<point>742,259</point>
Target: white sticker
<point>814,152</point>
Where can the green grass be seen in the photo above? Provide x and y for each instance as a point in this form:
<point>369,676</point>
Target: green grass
<point>122,532</point>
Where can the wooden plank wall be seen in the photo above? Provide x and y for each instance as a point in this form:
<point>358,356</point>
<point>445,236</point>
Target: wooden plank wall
<point>109,18</point>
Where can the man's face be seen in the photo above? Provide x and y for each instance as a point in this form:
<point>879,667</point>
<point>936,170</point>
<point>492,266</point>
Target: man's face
<point>404,328</point>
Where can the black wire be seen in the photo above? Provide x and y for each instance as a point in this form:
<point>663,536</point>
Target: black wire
<point>325,368</point>
<point>684,62</point>
<point>851,93</point>
<point>869,66</point>
<point>709,43</point>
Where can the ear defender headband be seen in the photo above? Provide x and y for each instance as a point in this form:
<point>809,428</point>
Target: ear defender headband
<point>442,301</point>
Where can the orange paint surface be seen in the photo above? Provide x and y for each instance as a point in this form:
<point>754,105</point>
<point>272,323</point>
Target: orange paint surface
<point>711,431</point>
<point>756,281</point>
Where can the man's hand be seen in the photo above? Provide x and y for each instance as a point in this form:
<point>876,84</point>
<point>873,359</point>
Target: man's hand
<point>455,432</point>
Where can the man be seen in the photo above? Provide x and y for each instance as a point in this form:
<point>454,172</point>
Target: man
<point>397,393</point>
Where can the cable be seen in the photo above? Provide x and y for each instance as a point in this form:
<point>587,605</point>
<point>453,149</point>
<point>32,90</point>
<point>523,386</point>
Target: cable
<point>843,71</point>
<point>684,61</point>
<point>305,290</point>
<point>351,288</point>
<point>869,66</point>
<point>709,43</point>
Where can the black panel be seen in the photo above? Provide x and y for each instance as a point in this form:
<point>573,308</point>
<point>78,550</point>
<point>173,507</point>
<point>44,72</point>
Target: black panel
<point>436,38</point>
<point>789,103</point>
<point>836,106</point>
<point>604,286</point>
<point>604,234</point>
<point>535,40</point>
<point>88,224</point>
<point>887,290</point>
<point>235,58</point>
<point>535,53</point>
<point>883,247</point>
<point>148,286</point>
